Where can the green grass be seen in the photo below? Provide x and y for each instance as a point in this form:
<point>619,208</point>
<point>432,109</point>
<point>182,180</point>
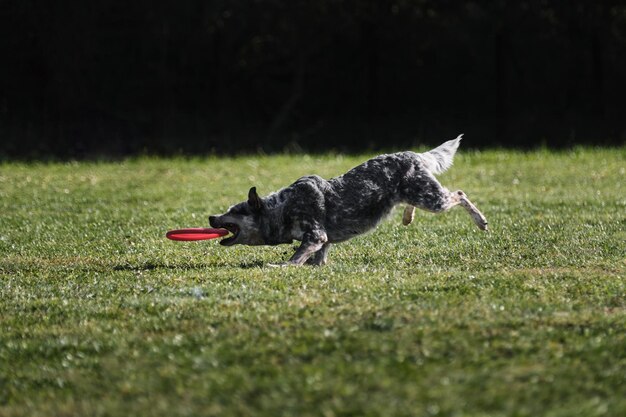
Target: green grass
<point>100,315</point>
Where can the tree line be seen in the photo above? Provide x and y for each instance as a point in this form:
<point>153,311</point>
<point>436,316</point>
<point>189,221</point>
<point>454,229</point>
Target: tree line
<point>119,78</point>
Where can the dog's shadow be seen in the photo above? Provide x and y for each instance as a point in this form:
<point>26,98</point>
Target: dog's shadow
<point>152,266</point>
<point>250,265</point>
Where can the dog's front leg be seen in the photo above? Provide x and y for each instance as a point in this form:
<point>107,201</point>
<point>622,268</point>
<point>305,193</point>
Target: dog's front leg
<point>311,242</point>
<point>409,214</point>
<point>320,257</point>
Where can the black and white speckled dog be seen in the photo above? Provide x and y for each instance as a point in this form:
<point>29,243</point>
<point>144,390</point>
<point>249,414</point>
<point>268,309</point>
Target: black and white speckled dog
<point>318,212</point>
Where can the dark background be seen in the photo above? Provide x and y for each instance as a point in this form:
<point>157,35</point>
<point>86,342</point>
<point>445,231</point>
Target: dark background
<point>114,78</point>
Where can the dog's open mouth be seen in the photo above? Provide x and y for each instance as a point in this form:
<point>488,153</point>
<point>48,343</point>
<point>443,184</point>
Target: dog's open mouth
<point>232,228</point>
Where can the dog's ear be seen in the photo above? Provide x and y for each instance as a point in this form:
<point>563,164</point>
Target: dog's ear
<point>254,200</point>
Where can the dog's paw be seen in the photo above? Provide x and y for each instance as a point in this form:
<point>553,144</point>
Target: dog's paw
<point>480,220</point>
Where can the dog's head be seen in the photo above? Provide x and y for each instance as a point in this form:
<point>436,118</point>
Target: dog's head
<point>243,221</point>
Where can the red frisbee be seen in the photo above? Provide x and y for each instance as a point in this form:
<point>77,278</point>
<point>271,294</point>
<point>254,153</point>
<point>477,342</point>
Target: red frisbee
<point>195,233</point>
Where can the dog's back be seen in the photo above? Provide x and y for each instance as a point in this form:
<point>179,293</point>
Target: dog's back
<point>355,202</point>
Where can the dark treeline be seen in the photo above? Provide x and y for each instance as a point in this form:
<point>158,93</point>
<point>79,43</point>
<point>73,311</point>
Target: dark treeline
<point>115,78</point>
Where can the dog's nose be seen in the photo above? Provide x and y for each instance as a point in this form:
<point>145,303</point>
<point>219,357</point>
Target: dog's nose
<point>212,220</point>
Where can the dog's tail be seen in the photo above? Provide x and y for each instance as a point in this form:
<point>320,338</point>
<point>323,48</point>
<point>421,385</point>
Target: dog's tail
<point>440,159</point>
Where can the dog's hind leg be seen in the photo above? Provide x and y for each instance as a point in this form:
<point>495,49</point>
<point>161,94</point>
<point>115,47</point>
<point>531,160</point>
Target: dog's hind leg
<point>459,198</point>
<point>428,194</point>
<point>408,215</point>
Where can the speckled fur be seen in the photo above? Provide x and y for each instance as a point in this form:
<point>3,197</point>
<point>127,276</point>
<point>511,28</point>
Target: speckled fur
<point>321,212</point>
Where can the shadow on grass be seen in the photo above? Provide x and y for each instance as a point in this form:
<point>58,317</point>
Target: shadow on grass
<point>151,266</point>
<point>250,265</point>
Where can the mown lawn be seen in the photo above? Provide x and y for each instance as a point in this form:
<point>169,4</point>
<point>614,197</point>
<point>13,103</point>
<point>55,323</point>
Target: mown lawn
<point>101,315</point>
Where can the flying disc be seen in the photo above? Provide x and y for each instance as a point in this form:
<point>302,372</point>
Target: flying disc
<point>195,233</point>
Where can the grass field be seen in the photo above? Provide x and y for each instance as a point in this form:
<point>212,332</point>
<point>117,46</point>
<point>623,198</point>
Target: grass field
<point>100,315</point>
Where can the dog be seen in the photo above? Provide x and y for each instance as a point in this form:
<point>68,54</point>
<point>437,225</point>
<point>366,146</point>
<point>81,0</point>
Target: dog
<point>319,212</point>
